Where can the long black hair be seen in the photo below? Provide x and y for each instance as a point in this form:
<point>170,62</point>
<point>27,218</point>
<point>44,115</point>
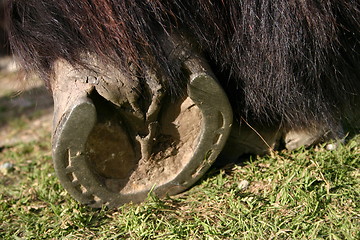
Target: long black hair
<point>289,62</point>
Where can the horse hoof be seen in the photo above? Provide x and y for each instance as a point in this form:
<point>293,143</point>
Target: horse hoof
<point>112,145</point>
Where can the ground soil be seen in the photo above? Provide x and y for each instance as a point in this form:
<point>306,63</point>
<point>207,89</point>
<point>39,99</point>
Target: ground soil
<point>26,106</point>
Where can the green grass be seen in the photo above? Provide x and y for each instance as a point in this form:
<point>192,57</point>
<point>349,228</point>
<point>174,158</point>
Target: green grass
<point>304,194</point>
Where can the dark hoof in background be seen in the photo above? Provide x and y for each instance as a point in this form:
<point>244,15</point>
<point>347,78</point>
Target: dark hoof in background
<point>113,145</point>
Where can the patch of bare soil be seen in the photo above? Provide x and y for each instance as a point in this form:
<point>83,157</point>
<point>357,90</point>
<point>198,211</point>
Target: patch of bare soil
<point>26,106</point>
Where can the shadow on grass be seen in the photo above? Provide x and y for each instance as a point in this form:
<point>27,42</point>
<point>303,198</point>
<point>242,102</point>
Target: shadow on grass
<point>29,104</point>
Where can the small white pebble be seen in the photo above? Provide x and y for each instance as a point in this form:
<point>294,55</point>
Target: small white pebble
<point>331,146</point>
<point>243,185</point>
<point>6,167</point>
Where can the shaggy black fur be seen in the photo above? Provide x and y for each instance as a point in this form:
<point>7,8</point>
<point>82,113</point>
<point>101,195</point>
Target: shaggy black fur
<point>4,43</point>
<point>289,62</point>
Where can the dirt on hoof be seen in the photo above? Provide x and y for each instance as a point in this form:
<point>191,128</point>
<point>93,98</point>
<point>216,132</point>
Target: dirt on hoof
<point>116,156</point>
<point>180,126</point>
<point>110,150</point>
